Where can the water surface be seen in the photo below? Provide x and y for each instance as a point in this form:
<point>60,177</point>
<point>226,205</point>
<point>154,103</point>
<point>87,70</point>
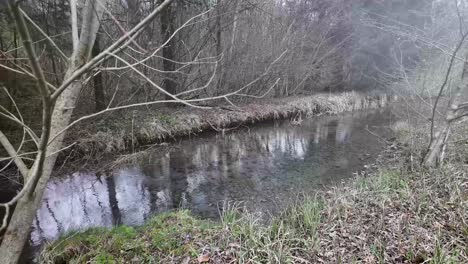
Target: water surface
<point>264,167</point>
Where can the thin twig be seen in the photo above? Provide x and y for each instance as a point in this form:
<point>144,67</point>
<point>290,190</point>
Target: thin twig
<point>62,54</point>
<point>12,153</point>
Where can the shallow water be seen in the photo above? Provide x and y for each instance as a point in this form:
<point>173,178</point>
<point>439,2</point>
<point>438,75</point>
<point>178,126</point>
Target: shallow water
<point>264,166</point>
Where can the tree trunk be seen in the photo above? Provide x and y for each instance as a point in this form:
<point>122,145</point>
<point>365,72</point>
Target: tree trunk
<point>167,30</point>
<point>436,152</point>
<point>99,96</point>
<point>219,48</point>
<point>234,29</point>
<point>20,225</point>
<point>437,147</point>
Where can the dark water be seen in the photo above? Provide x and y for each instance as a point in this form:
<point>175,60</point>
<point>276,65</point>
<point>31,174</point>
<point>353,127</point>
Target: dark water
<point>264,167</point>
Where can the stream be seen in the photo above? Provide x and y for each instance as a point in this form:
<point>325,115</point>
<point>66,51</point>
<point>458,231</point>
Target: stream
<point>265,167</point>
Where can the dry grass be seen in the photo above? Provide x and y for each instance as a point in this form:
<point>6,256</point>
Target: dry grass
<point>398,218</point>
<point>123,131</point>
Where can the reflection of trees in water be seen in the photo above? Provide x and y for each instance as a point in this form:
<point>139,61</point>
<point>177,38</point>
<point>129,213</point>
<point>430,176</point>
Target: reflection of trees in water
<point>200,173</point>
<point>37,228</point>
<point>83,203</point>
<point>178,177</point>
<point>329,144</point>
<point>71,203</point>
<point>132,195</point>
<point>113,203</point>
<point>52,214</point>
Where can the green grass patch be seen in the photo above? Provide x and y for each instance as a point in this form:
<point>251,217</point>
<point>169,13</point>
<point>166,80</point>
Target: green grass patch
<point>384,182</point>
<point>167,236</point>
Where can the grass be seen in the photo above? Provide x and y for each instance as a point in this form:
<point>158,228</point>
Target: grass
<point>169,236</point>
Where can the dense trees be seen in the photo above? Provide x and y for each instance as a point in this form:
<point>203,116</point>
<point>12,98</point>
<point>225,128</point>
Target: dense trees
<point>59,59</point>
<point>329,45</point>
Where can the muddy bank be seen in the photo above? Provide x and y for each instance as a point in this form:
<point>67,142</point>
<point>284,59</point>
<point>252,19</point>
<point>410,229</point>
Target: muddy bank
<point>126,131</point>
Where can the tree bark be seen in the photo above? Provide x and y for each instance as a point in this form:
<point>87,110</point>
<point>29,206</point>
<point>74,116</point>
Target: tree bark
<point>437,147</point>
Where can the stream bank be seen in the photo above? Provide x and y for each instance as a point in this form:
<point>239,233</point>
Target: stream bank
<point>124,131</point>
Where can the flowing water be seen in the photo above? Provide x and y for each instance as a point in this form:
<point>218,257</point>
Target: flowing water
<point>264,167</point>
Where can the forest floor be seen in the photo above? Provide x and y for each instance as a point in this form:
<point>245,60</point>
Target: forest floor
<point>396,212</point>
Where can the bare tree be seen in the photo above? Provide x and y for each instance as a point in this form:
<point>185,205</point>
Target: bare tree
<point>57,108</point>
<point>456,108</point>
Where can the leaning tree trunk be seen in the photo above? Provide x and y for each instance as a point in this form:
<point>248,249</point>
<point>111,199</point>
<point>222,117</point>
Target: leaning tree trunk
<point>19,227</point>
<point>436,152</point>
<point>20,224</point>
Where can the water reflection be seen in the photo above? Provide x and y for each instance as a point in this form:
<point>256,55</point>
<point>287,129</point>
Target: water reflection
<point>262,166</point>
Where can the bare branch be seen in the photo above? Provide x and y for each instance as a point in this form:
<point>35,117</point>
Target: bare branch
<point>153,83</point>
<point>22,124</point>
<point>24,33</point>
<point>14,70</point>
<point>12,152</point>
<point>5,217</point>
<point>25,72</point>
<point>446,79</point>
<point>263,95</point>
<point>175,98</point>
<point>187,23</point>
<point>105,54</point>
<point>204,86</point>
<point>116,21</point>
<point>64,57</point>
<point>38,41</point>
